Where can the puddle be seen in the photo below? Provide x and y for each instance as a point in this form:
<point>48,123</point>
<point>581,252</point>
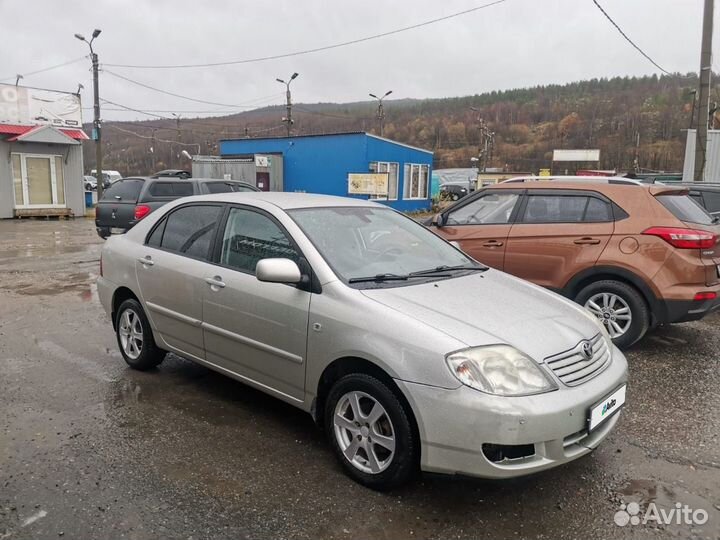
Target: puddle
<point>666,503</point>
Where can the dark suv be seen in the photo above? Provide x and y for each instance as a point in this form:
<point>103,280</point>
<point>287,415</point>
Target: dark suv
<point>129,200</point>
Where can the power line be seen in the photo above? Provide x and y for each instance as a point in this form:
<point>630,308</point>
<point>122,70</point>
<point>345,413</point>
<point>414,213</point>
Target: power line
<point>43,70</point>
<point>630,41</point>
<point>314,50</point>
<point>240,106</point>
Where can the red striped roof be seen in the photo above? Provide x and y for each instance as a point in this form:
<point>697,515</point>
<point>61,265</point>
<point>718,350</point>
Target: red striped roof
<point>16,130</point>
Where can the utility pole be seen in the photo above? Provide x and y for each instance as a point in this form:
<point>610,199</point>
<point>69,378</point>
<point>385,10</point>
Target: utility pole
<point>381,111</point>
<point>152,149</point>
<point>97,127</point>
<point>487,142</point>
<point>287,120</point>
<point>703,96</point>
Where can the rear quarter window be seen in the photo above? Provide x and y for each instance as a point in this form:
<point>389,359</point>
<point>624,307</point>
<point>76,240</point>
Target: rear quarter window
<point>685,209</point>
<point>126,190</point>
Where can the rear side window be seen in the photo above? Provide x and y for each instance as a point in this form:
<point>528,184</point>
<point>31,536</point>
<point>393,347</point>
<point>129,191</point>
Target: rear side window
<point>170,189</point>
<point>125,190</point>
<point>685,209</point>
<point>566,209</point>
<point>189,230</point>
<point>225,187</point>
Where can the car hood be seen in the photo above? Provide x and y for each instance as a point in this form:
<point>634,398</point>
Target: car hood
<point>493,307</point>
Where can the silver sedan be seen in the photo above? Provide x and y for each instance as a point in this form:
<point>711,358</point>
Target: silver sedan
<point>408,353</point>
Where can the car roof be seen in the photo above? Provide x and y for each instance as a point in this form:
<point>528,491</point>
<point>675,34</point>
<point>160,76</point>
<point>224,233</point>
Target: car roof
<point>288,200</point>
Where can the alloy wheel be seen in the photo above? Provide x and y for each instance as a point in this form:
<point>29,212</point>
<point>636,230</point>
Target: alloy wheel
<point>364,432</point>
<point>131,334</point>
<point>612,310</point>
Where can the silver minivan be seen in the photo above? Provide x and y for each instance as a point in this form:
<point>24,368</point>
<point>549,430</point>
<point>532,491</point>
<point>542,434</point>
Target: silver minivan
<point>408,353</point>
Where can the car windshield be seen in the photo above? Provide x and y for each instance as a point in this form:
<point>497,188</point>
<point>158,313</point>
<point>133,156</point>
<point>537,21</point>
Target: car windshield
<point>362,242</point>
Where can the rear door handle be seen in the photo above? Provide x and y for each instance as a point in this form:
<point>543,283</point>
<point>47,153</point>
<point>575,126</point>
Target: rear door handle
<point>493,243</point>
<point>146,261</point>
<point>587,240</point>
<point>215,281</point>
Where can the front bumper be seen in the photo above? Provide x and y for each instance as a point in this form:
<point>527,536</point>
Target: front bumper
<point>455,424</point>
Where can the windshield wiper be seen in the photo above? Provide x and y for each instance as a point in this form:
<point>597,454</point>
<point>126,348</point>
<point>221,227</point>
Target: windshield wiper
<point>379,278</point>
<point>446,268</point>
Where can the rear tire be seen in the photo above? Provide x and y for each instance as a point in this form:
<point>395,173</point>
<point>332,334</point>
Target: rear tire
<point>370,432</point>
<point>620,307</point>
<point>135,338</point>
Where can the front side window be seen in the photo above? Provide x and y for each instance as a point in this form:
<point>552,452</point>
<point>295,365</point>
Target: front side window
<point>226,187</point>
<point>416,181</point>
<point>491,208</point>
<point>189,230</point>
<point>251,236</point>
<point>364,241</point>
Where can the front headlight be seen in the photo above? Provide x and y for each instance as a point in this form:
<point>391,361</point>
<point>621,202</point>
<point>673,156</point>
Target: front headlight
<point>501,370</point>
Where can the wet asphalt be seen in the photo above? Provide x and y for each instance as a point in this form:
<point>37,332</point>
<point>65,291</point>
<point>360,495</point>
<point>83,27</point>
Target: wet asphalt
<point>91,449</point>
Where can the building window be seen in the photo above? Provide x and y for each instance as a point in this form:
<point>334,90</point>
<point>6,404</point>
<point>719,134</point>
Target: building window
<point>416,181</point>
<point>38,180</point>
<point>392,170</point>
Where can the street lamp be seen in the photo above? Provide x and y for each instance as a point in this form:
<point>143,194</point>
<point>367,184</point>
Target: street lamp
<point>17,79</point>
<point>380,110</point>
<point>288,106</point>
<point>96,108</point>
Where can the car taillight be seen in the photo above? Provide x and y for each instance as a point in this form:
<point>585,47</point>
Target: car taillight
<point>684,238</point>
<point>707,295</point>
<point>141,210</point>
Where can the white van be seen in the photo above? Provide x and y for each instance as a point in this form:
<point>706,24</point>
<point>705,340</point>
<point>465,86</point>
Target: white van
<point>111,176</point>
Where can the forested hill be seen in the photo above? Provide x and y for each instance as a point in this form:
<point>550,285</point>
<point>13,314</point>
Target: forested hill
<point>609,114</point>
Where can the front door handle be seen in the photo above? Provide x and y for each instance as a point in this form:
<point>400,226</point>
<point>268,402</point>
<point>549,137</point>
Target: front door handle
<point>587,240</point>
<point>146,261</point>
<point>215,281</point>
<point>492,243</point>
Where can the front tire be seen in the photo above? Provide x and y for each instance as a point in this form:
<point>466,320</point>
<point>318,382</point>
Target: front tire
<point>620,307</point>
<point>371,432</point>
<point>135,338</point>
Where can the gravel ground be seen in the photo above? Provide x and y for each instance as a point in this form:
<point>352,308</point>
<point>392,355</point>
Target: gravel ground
<point>91,449</point>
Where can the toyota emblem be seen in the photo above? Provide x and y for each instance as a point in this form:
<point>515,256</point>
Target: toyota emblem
<point>586,349</point>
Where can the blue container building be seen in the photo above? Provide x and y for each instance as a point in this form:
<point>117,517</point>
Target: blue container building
<point>321,164</point>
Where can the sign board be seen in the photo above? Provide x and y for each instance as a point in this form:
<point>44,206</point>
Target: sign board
<point>262,161</point>
<point>576,155</point>
<point>544,172</point>
<point>32,107</point>
<point>368,183</point>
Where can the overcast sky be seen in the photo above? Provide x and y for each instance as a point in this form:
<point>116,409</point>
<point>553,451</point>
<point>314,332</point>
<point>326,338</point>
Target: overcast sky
<point>514,44</point>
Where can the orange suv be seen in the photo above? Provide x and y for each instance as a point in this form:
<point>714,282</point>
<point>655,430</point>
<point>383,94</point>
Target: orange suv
<point>634,255</point>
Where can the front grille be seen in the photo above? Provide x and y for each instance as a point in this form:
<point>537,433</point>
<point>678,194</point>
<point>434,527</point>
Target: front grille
<point>573,368</point>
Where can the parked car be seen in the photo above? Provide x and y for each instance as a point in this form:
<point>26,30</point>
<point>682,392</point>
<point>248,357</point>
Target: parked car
<point>172,173</point>
<point>454,190</point>
<point>410,354</point>
<point>129,200</point>
<point>635,255</point>
<point>91,183</point>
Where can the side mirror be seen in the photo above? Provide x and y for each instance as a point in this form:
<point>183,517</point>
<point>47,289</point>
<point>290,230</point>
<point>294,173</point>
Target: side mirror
<point>278,271</point>
<point>439,220</point>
